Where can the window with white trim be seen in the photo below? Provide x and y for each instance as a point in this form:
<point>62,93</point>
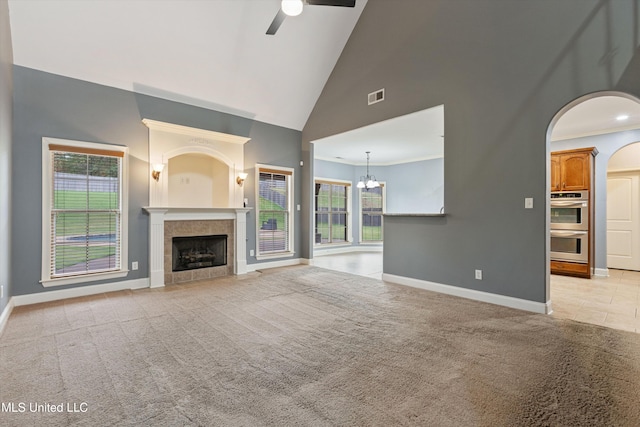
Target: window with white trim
<point>332,212</point>
<point>274,211</point>
<point>84,214</point>
<point>372,207</point>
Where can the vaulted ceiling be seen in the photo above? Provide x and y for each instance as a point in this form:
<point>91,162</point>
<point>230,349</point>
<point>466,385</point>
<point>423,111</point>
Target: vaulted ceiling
<point>210,53</point>
<point>215,54</point>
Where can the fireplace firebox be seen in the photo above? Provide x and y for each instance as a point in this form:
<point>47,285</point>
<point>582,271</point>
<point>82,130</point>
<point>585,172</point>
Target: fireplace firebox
<point>193,252</point>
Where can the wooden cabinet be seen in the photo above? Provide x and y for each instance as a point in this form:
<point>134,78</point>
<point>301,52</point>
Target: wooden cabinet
<point>571,169</point>
<point>571,269</point>
<point>556,182</point>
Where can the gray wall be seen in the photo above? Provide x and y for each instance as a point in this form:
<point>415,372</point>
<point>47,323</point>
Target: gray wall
<point>502,69</point>
<point>277,146</point>
<point>607,145</point>
<point>335,170</point>
<point>416,187</point>
<point>55,106</point>
<point>6,93</point>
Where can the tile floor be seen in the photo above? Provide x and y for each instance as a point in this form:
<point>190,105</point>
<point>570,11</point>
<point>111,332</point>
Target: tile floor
<point>612,301</point>
<point>361,263</point>
<point>608,301</point>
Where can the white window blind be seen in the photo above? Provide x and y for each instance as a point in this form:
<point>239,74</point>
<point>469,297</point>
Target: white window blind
<point>86,211</point>
<point>273,211</point>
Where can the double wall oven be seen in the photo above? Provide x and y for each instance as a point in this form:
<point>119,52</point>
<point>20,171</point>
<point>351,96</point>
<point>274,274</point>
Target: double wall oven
<point>570,226</point>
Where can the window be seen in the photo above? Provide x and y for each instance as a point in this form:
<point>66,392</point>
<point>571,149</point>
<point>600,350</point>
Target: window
<point>332,212</point>
<point>84,217</point>
<point>372,208</point>
<point>275,221</point>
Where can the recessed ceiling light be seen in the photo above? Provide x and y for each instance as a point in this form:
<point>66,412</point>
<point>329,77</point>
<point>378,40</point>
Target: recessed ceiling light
<point>291,7</point>
<point>622,117</point>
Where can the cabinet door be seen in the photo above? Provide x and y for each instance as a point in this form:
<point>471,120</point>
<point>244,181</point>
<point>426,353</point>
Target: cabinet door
<point>555,173</point>
<point>574,171</point>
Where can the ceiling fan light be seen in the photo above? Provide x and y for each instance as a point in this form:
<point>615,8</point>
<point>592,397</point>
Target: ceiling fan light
<point>291,7</point>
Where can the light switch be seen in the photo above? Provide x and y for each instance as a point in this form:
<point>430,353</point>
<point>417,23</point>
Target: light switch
<point>528,203</point>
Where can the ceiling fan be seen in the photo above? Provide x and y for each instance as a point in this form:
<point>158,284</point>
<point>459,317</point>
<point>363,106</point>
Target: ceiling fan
<point>294,8</point>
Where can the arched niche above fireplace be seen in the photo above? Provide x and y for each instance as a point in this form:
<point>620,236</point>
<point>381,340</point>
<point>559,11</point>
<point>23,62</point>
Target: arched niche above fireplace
<point>200,167</point>
<point>200,181</point>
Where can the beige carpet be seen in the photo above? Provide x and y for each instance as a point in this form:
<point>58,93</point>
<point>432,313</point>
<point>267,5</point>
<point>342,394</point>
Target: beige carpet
<point>306,346</point>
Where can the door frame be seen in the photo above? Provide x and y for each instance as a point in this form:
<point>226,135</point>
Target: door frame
<point>599,191</point>
<point>635,173</point>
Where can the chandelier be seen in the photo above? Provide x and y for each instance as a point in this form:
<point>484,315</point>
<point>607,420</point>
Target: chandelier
<point>368,182</point>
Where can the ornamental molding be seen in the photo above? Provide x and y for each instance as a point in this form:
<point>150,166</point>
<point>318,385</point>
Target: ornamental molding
<point>202,136</point>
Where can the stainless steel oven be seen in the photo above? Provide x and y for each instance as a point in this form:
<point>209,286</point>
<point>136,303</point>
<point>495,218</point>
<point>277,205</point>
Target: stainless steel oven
<point>570,226</point>
<point>570,210</point>
<point>570,245</point>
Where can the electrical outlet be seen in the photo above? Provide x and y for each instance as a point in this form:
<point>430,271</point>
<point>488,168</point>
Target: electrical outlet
<point>479,274</point>
<point>251,252</point>
<point>134,265</point>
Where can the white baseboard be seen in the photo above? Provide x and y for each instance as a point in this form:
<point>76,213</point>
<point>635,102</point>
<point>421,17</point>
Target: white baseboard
<point>82,291</point>
<point>274,264</point>
<point>548,308</point>
<point>601,272</point>
<point>345,250</point>
<point>521,304</point>
<point>4,317</point>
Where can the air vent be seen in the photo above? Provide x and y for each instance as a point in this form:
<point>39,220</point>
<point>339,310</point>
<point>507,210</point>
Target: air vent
<point>376,96</point>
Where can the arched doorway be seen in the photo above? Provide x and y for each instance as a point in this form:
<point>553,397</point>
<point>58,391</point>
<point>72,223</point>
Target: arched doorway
<point>607,121</point>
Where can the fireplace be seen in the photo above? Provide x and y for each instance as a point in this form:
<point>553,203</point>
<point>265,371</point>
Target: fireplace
<point>197,194</point>
<point>193,252</point>
<point>184,224</point>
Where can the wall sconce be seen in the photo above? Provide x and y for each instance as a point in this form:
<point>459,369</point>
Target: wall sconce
<point>157,168</point>
<point>241,177</point>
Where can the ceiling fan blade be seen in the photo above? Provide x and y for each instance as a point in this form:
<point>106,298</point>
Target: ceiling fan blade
<point>343,3</point>
<point>277,21</point>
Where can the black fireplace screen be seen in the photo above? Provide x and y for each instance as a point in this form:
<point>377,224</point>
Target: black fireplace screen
<point>194,252</point>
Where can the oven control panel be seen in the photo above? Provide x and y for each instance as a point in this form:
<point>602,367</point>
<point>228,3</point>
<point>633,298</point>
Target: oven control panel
<point>570,195</point>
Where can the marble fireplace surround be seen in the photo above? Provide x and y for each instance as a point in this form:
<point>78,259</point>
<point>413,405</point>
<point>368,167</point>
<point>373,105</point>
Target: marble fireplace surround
<point>166,222</point>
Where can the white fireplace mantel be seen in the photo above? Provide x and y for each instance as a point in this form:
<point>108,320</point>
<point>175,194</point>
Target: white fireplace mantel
<point>158,215</point>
